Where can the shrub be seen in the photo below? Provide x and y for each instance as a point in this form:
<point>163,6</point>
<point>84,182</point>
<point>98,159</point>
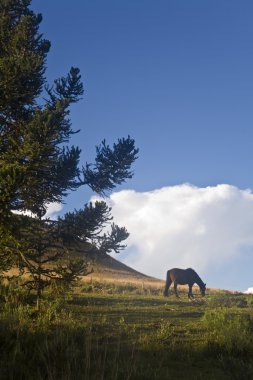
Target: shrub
<point>227,330</point>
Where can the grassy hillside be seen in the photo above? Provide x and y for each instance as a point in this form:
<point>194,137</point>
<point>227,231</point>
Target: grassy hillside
<point>115,331</point>
<point>118,326</point>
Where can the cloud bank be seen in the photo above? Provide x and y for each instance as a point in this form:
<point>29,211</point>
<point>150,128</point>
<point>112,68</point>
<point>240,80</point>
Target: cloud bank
<point>184,226</point>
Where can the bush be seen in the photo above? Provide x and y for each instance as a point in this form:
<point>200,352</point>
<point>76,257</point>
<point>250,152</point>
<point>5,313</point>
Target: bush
<point>229,331</point>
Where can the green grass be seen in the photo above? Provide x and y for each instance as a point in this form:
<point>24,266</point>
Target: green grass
<point>124,335</point>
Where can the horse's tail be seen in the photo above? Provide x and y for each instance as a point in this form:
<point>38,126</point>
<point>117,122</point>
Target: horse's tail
<point>167,284</point>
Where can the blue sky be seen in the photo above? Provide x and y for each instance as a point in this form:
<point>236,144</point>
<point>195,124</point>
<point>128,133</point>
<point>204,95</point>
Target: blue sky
<point>174,75</point>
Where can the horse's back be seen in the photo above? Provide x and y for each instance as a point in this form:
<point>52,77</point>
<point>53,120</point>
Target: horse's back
<point>178,271</point>
<point>176,274</point>
<point>182,276</point>
<point>174,271</point>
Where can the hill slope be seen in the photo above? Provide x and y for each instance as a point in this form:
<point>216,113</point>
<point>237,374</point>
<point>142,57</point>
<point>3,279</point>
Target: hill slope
<point>108,269</point>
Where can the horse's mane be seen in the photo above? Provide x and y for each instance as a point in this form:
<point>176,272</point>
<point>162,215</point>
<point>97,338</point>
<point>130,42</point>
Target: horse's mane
<point>196,274</point>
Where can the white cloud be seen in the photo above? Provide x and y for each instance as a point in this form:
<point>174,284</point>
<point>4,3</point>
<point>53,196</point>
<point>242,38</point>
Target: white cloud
<point>184,226</point>
<point>53,209</point>
<point>249,291</point>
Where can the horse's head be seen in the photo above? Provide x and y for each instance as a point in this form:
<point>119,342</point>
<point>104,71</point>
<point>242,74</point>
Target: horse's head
<point>203,290</point>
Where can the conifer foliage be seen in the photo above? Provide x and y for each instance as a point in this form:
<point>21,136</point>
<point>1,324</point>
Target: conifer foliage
<point>37,164</point>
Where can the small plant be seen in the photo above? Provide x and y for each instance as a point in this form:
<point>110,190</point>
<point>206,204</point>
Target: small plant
<point>14,293</point>
<point>86,288</point>
<point>165,331</point>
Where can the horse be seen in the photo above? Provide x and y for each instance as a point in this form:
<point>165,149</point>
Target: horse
<point>182,277</point>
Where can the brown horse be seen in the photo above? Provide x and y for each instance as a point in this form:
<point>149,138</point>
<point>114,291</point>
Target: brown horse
<point>182,277</point>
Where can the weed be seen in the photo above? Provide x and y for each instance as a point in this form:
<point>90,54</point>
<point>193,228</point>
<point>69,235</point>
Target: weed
<point>165,331</point>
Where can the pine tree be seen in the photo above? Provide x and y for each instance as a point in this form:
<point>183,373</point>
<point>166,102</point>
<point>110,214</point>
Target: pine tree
<point>37,165</point>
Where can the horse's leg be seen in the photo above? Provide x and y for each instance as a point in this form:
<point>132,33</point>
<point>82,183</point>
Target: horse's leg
<point>175,288</point>
<point>167,285</point>
<point>190,295</point>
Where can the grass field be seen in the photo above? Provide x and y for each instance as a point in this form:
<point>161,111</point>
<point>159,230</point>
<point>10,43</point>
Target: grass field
<point>126,332</point>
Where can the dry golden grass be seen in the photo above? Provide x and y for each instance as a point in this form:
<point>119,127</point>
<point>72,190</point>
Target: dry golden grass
<point>104,277</point>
